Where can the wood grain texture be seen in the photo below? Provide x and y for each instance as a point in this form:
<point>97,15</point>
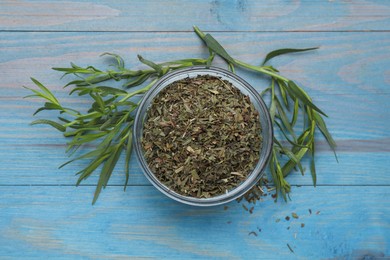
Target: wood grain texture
<point>42,214</point>
<point>346,63</point>
<point>38,166</point>
<point>59,222</point>
<point>215,15</point>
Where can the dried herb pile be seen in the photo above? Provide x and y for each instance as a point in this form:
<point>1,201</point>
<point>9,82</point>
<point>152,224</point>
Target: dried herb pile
<point>108,123</point>
<point>202,136</point>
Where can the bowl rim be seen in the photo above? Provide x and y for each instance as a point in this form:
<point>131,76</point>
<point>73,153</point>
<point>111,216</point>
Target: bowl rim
<point>141,112</point>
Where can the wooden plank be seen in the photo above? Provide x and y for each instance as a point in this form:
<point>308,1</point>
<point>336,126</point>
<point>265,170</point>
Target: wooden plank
<point>364,118</point>
<point>49,222</point>
<point>31,154</point>
<point>346,63</point>
<point>38,165</point>
<point>216,15</point>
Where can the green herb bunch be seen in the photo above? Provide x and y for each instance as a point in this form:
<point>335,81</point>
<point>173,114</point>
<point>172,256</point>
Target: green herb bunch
<point>108,122</point>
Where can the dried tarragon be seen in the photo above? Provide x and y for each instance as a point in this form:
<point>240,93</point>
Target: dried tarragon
<point>202,136</point>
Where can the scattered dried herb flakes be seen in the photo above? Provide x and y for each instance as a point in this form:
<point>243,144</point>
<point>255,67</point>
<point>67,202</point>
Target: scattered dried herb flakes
<point>302,225</point>
<point>294,215</point>
<point>287,218</point>
<point>201,136</point>
<point>289,247</point>
<point>255,194</point>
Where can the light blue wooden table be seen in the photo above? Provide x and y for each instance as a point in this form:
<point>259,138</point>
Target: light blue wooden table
<point>43,215</point>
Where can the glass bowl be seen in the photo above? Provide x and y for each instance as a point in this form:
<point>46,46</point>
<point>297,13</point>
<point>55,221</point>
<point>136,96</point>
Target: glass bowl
<point>246,89</point>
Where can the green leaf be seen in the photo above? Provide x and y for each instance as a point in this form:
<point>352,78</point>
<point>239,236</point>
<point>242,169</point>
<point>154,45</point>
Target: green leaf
<point>74,69</point>
<point>273,172</point>
<point>96,79</point>
<point>93,79</point>
<point>312,166</point>
<point>214,45</point>
<point>282,130</point>
<point>277,143</point>
<point>284,95</point>
<point>295,112</point>
<point>299,93</point>
<point>272,111</point>
<point>262,93</point>
<point>48,95</point>
<point>304,140</point>
<point>80,140</point>
<point>322,126</point>
<point>284,119</point>
<point>98,101</point>
<point>185,62</point>
<point>106,172</point>
<point>110,121</point>
<point>282,186</point>
<point>231,68</point>
<point>36,93</point>
<point>91,154</point>
<point>279,52</point>
<point>283,150</point>
<point>198,32</point>
<point>50,106</point>
<point>64,120</point>
<point>91,115</point>
<point>56,125</point>
<point>81,130</point>
<point>85,173</point>
<point>284,85</point>
<point>75,82</point>
<point>210,58</point>
<point>41,95</point>
<point>128,155</point>
<point>39,110</point>
<point>130,104</point>
<point>137,80</point>
<point>324,130</point>
<point>119,60</point>
<point>289,166</point>
<point>285,187</point>
<point>104,90</point>
<point>151,64</point>
<point>270,68</point>
<point>294,158</point>
<point>79,89</point>
<point>111,100</point>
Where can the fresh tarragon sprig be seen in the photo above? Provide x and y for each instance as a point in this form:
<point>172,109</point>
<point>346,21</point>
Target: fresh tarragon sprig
<point>108,122</point>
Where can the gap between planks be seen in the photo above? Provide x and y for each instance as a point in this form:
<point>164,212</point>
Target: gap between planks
<point>149,185</point>
<point>191,31</point>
